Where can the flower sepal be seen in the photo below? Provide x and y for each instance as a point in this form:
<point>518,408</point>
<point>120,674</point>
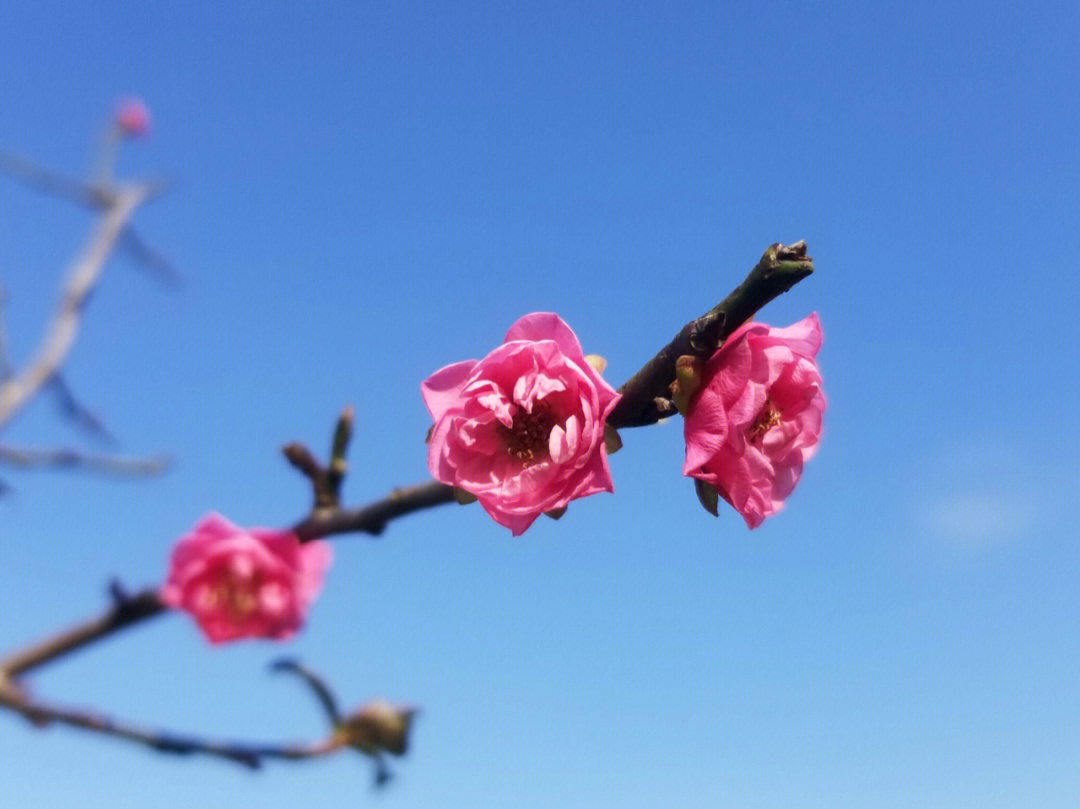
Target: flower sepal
<point>707,496</point>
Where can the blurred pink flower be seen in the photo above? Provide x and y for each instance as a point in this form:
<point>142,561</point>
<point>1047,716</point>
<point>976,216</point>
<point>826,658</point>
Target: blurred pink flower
<point>244,583</point>
<point>522,429</point>
<point>757,417</point>
<point>133,118</point>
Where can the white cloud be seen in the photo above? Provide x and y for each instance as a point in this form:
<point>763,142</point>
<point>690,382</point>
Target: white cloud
<point>982,516</point>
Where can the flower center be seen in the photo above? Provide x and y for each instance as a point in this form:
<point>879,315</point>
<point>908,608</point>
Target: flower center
<point>527,439</point>
<point>767,418</point>
<point>237,596</point>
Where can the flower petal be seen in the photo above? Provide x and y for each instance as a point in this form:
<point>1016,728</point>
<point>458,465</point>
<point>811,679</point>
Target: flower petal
<point>440,390</point>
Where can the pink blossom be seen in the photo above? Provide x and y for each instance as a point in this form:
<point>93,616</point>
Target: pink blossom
<point>244,583</point>
<point>133,118</point>
<point>757,417</point>
<point>523,428</point>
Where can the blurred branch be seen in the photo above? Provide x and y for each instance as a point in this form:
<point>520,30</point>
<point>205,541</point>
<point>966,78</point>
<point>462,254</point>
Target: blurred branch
<point>83,417</point>
<point>46,180</point>
<point>118,465</point>
<point>314,681</point>
<point>374,729</point>
<point>151,259</point>
<point>82,278</point>
<point>248,755</point>
<point>125,610</point>
<point>6,368</point>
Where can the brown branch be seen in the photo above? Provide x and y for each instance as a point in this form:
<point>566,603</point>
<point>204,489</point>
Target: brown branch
<point>372,518</point>
<point>248,755</point>
<point>125,610</point>
<point>83,276</point>
<point>645,401</point>
<point>646,395</point>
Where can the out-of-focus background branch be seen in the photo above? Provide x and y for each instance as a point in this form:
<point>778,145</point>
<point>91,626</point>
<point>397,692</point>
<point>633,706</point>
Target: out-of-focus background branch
<point>113,205</point>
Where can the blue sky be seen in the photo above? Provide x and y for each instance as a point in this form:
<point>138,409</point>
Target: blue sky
<point>367,193</point>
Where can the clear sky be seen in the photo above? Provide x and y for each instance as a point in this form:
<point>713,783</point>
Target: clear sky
<point>368,193</point>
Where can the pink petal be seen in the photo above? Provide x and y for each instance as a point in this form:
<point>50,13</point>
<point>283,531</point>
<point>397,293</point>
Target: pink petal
<point>441,390</point>
<point>803,337</point>
<point>547,326</point>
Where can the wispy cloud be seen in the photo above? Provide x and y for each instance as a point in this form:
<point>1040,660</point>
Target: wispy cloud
<point>982,516</point>
<point>991,493</point>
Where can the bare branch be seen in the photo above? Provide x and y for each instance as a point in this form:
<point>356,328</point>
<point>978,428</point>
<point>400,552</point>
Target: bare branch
<point>6,368</point>
<point>325,480</point>
<point>83,417</point>
<point>151,259</point>
<point>248,755</point>
<point>372,518</point>
<point>314,681</point>
<point>124,611</point>
<point>53,183</point>
<point>65,458</point>
<point>82,278</point>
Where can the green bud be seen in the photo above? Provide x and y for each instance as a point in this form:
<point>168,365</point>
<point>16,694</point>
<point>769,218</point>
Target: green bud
<point>687,381</point>
<point>464,497</point>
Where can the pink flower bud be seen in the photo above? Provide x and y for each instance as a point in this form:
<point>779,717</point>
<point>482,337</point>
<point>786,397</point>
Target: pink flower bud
<point>244,583</point>
<point>133,118</point>
<point>757,417</point>
<point>523,428</point>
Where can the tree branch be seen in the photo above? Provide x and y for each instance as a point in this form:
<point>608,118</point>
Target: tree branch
<point>83,276</point>
<point>125,610</point>
<point>645,400</point>
<point>372,518</point>
<point>6,368</point>
<point>248,755</point>
<point>50,182</point>
<point>118,465</point>
<point>646,395</point>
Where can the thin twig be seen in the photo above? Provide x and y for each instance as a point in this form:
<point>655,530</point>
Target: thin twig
<point>248,755</point>
<point>85,272</point>
<point>83,417</point>
<point>151,258</point>
<point>65,458</point>
<point>46,180</point>
<point>6,368</point>
<point>372,518</point>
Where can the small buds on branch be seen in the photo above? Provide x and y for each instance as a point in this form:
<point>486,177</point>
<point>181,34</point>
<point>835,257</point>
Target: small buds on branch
<point>325,480</point>
<point>665,385</point>
<point>327,516</point>
<point>374,729</point>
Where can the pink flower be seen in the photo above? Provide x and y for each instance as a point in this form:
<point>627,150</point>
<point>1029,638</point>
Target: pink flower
<point>523,428</point>
<point>244,583</point>
<point>757,417</point>
<point>133,118</point>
